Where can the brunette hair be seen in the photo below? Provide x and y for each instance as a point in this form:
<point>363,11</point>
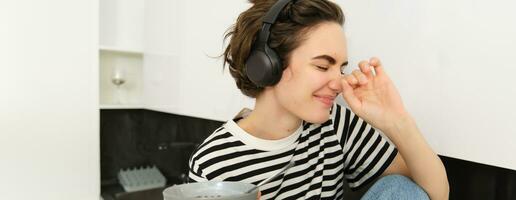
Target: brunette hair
<point>289,31</point>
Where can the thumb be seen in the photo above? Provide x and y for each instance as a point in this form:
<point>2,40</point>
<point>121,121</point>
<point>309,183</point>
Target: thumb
<point>259,195</point>
<point>349,95</point>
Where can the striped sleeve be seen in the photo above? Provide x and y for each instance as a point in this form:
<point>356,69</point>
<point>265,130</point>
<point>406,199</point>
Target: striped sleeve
<point>220,157</point>
<point>195,177</point>
<point>367,151</point>
<point>195,172</point>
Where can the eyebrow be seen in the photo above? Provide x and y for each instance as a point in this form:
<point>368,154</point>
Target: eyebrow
<point>330,59</point>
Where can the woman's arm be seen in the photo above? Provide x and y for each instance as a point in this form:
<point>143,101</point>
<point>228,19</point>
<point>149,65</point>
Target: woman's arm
<point>373,97</point>
<point>417,160</point>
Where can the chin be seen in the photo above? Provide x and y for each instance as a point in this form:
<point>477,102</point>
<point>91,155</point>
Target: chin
<point>318,117</point>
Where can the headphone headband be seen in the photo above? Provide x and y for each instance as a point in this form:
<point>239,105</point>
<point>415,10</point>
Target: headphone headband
<point>275,10</point>
<point>270,19</point>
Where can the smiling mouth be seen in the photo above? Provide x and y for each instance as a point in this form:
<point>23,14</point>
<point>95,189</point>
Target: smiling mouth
<point>326,100</point>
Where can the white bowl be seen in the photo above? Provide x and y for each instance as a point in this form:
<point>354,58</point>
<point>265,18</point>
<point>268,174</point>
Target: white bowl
<point>211,190</point>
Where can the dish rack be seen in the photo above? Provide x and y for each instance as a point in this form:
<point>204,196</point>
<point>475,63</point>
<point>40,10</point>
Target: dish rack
<point>141,178</point>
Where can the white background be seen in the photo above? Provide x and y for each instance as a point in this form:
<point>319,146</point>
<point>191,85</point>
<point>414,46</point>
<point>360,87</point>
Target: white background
<point>453,63</point>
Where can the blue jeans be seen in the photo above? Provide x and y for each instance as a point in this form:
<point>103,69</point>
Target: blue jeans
<point>395,187</point>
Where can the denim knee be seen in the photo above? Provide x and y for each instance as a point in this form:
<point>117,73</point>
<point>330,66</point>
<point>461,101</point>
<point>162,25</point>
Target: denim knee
<point>395,187</point>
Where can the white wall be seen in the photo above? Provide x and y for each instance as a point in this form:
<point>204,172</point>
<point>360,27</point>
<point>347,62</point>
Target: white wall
<point>49,118</point>
<point>452,62</point>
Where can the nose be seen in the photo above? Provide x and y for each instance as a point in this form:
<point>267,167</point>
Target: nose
<point>335,84</point>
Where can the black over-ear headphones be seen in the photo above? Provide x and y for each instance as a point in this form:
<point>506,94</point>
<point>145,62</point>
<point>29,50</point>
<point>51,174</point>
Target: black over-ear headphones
<point>263,66</point>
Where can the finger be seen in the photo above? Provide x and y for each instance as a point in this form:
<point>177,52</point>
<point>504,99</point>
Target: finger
<point>349,95</point>
<point>366,68</point>
<point>259,195</point>
<point>351,79</point>
<point>362,79</point>
<point>377,65</point>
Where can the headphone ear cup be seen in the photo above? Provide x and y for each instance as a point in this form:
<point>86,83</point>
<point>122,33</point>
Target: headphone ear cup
<point>262,67</point>
<point>275,67</point>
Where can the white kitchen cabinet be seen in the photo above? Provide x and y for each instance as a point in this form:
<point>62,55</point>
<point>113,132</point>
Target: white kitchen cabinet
<point>180,74</point>
<point>167,50</point>
<point>163,41</point>
<point>121,45</point>
<point>121,24</point>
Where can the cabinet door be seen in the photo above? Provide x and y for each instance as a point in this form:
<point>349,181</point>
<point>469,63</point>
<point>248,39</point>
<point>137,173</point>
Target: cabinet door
<point>180,74</point>
<point>121,24</point>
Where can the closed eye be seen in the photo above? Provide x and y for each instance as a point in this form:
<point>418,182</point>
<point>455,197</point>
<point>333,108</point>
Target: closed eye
<point>322,68</point>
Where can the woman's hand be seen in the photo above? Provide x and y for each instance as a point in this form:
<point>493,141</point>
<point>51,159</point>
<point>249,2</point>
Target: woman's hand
<point>373,96</point>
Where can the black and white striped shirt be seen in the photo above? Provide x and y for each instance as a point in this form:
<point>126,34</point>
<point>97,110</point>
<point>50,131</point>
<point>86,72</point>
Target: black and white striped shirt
<point>344,147</point>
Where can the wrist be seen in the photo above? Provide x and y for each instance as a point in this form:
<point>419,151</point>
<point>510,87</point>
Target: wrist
<point>401,126</point>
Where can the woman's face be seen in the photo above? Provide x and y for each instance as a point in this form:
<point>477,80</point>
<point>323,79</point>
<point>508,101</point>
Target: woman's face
<point>311,82</point>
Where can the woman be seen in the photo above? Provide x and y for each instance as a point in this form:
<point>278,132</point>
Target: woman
<point>295,118</point>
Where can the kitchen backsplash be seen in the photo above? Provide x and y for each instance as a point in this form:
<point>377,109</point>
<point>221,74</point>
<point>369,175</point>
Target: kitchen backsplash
<point>138,137</point>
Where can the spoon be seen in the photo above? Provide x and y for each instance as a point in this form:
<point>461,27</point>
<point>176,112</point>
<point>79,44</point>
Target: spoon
<point>290,164</point>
